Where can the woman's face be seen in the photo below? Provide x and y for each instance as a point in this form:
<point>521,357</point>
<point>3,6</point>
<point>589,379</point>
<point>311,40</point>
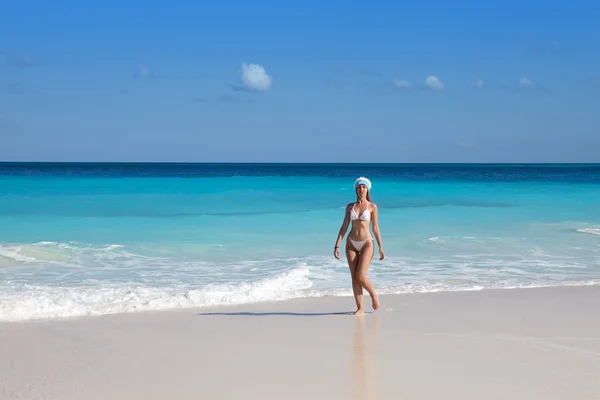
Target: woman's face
<point>361,191</point>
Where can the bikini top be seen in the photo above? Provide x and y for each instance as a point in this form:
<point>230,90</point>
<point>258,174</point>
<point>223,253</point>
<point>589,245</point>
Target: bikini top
<point>365,216</point>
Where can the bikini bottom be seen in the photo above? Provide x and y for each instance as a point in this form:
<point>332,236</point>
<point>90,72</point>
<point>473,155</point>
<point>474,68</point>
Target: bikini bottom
<point>358,245</point>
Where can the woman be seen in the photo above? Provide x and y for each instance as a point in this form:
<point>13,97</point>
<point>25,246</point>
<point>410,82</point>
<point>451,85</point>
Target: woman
<point>359,245</point>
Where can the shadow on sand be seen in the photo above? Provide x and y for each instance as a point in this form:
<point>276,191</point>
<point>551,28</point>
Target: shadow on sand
<point>266,314</point>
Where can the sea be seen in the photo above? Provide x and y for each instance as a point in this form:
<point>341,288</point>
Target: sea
<point>79,239</point>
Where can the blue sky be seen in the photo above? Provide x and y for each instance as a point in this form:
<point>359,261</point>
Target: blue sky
<point>308,81</point>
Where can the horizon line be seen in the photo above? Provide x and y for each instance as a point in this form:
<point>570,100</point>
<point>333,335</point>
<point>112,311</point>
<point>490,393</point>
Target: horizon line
<point>296,163</point>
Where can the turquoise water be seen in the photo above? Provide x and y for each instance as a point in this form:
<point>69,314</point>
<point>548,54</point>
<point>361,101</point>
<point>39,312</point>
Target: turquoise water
<point>86,239</point>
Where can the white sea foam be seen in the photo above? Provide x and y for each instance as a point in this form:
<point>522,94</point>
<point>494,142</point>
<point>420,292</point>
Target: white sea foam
<point>61,302</point>
<point>50,279</point>
<point>592,231</point>
<point>34,302</point>
<point>14,253</point>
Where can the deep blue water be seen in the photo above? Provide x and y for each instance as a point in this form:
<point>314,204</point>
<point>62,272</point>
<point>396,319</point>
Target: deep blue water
<point>469,172</point>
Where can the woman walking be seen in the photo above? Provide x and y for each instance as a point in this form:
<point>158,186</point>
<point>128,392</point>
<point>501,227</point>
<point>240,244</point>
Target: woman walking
<point>360,245</point>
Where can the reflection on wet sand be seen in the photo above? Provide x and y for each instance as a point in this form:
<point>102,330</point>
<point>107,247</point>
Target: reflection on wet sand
<point>367,328</point>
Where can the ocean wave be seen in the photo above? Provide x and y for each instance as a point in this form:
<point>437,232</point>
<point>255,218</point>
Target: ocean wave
<point>47,252</point>
<point>591,231</point>
<point>57,280</point>
<point>39,302</point>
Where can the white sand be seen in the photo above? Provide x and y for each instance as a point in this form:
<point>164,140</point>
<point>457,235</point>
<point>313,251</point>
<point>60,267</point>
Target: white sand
<point>501,344</point>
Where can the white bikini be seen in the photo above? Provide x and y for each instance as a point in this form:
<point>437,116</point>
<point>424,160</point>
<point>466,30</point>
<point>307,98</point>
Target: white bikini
<point>365,216</point>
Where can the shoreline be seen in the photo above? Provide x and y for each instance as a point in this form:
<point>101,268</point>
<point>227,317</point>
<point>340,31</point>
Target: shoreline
<point>267,303</point>
<point>493,344</point>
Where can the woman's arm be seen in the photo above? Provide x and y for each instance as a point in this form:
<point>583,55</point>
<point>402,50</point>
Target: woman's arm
<point>342,232</point>
<point>375,216</point>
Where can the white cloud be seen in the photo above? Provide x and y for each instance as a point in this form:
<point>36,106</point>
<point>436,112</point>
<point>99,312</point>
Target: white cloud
<point>27,60</point>
<point>400,83</point>
<point>478,83</point>
<point>434,82</point>
<point>255,77</point>
<point>527,84</point>
<point>524,82</point>
<point>143,72</point>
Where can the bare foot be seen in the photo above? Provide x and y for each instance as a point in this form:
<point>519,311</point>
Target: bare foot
<point>360,311</point>
<point>375,302</point>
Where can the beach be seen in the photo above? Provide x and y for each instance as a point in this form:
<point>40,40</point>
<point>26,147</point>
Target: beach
<point>187,281</point>
<point>539,343</point>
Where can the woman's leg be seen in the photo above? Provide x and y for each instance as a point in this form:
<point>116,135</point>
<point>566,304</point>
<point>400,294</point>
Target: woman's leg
<point>352,256</point>
<point>364,262</point>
